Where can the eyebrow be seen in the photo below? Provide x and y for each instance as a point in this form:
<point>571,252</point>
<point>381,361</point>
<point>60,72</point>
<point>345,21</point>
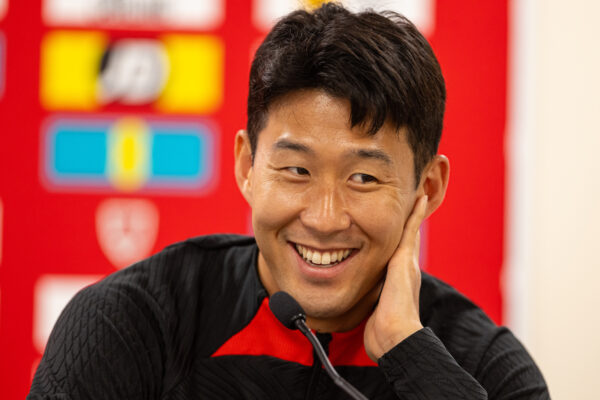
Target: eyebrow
<point>373,154</point>
<point>285,144</point>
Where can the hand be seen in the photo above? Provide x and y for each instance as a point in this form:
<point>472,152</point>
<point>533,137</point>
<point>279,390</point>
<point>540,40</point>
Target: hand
<point>396,315</point>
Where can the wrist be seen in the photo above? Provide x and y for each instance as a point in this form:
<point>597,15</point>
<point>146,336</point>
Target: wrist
<point>395,336</point>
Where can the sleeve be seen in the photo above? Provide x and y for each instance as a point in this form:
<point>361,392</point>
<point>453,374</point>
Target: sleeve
<point>105,345</point>
<point>421,367</point>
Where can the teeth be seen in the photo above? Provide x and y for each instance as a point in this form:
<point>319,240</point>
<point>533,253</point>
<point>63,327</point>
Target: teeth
<point>325,258</point>
<point>316,258</point>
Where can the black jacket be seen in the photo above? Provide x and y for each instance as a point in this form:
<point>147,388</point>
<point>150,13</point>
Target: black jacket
<point>192,322</point>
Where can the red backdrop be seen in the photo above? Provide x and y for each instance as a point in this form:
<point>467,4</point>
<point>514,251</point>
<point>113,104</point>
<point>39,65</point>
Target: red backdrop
<point>51,231</point>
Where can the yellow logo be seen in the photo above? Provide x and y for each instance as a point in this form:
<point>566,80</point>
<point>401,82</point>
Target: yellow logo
<point>173,72</point>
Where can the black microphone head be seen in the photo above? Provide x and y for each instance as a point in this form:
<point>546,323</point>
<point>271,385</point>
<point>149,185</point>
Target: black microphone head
<point>286,309</point>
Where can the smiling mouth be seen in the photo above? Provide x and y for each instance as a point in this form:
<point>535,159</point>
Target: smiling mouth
<point>322,259</point>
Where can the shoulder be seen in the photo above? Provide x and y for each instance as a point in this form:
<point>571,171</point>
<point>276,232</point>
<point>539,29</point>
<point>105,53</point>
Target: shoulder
<point>153,319</point>
<point>463,327</point>
<point>199,251</point>
<point>439,298</point>
<point>186,270</point>
<point>179,281</point>
<point>490,353</point>
<point>186,264</point>
<point>440,304</point>
<point>201,282</point>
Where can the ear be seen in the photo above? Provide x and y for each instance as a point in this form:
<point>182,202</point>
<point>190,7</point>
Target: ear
<point>434,182</point>
<point>243,164</point>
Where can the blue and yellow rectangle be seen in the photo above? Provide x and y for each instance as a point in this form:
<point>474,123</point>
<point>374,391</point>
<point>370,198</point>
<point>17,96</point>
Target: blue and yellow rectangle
<point>129,154</point>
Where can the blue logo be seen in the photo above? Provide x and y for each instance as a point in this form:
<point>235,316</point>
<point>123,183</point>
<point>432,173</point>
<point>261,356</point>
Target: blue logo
<point>129,154</point>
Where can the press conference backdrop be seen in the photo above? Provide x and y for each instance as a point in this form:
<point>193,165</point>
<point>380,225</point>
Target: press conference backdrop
<point>117,124</point>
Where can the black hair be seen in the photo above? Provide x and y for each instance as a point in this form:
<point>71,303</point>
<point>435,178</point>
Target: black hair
<point>379,62</point>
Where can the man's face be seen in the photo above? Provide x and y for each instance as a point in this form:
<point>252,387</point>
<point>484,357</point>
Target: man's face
<point>329,204</point>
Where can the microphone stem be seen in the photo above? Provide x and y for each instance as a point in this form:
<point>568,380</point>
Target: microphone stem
<point>337,379</point>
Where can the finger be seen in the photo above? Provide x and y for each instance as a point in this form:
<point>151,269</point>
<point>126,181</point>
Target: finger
<point>411,228</point>
<point>417,246</point>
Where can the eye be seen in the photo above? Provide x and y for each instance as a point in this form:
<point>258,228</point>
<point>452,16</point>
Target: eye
<point>363,178</point>
<point>297,170</point>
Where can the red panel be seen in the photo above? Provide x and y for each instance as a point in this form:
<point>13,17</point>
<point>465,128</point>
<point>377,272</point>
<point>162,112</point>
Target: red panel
<point>466,234</point>
<point>54,232</point>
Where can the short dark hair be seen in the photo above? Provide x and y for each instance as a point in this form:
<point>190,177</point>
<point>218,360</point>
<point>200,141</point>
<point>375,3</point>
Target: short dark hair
<point>378,61</point>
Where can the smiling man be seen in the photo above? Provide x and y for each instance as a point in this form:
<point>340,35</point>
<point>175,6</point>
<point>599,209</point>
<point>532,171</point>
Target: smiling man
<point>339,164</point>
<point>329,203</point>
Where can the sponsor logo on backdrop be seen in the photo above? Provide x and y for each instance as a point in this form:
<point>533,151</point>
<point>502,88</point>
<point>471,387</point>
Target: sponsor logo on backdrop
<point>135,14</point>
<point>51,295</point>
<point>3,8</point>
<point>266,12</point>
<point>129,154</point>
<point>133,72</point>
<point>126,229</point>
<point>421,12</point>
<point>85,70</point>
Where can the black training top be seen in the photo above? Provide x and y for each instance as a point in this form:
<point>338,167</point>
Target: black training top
<point>192,322</point>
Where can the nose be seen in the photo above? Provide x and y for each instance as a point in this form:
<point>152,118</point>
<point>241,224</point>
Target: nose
<point>325,211</point>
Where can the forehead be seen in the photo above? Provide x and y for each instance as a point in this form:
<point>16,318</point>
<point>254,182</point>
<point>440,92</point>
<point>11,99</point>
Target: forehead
<point>316,118</point>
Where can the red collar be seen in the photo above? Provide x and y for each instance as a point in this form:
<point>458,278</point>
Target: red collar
<point>265,335</point>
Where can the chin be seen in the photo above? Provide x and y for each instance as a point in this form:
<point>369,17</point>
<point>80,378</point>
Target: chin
<point>324,308</point>
<point>318,312</point>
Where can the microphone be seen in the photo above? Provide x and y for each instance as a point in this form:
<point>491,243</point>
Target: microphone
<point>287,310</point>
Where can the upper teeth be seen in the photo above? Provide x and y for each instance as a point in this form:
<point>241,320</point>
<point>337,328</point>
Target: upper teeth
<point>322,257</point>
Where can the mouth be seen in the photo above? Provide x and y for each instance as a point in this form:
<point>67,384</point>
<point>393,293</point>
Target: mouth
<point>322,258</point>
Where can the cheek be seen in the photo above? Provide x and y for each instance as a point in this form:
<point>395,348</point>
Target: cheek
<point>382,217</point>
<point>272,204</point>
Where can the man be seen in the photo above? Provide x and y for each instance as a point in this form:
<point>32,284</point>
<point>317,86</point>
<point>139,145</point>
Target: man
<point>339,166</point>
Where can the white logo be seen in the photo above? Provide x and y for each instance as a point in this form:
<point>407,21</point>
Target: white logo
<point>133,72</point>
<point>421,12</point>
<point>51,295</point>
<point>139,14</point>
<point>126,230</point>
<point>3,7</point>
